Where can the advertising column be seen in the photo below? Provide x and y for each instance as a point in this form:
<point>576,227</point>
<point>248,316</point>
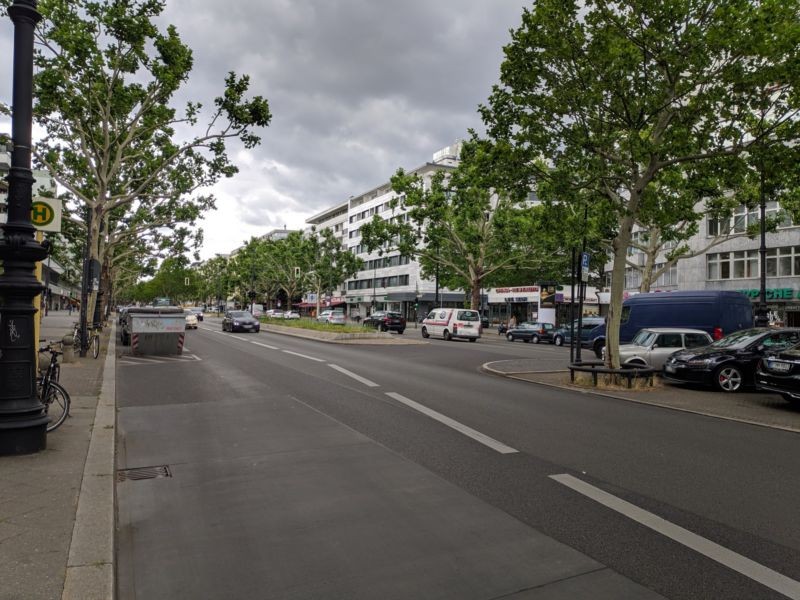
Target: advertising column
<point>547,303</point>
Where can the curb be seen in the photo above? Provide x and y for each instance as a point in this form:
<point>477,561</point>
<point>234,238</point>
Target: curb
<point>90,566</point>
<point>485,367</point>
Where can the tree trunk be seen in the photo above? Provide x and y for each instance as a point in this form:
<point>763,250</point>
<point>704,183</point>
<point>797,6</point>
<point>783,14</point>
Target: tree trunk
<point>475,294</point>
<point>620,246</point>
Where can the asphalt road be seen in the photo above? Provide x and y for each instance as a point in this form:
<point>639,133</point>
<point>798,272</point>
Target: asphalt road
<point>720,497</point>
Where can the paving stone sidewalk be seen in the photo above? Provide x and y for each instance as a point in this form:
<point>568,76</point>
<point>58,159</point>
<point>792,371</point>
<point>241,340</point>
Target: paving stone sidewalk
<point>39,493</point>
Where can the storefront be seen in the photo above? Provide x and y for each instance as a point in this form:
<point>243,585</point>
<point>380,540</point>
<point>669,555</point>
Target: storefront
<point>783,305</point>
<point>527,303</point>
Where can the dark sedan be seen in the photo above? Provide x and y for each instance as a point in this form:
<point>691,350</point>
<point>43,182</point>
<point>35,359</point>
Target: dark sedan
<point>729,364</point>
<point>240,320</point>
<point>781,374</point>
<point>386,321</point>
<point>532,332</point>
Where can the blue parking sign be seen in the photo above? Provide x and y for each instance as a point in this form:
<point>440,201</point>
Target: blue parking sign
<point>584,267</point>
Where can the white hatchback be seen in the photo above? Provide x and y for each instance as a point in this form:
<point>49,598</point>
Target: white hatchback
<point>450,323</point>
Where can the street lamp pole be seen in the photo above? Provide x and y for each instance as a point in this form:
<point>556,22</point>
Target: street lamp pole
<point>23,420</point>
<point>762,312</point>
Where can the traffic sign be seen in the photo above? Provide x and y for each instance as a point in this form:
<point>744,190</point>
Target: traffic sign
<point>46,214</point>
<point>584,267</point>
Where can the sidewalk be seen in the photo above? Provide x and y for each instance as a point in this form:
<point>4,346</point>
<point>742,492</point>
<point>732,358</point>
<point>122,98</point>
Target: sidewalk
<point>756,408</point>
<point>43,497</point>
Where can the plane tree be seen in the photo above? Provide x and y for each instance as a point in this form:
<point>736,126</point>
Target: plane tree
<point>614,94</point>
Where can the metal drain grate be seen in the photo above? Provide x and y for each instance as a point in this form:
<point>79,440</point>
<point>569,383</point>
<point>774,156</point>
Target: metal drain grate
<point>143,473</point>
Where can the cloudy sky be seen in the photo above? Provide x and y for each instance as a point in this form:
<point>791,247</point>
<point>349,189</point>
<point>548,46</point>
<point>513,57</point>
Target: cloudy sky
<point>357,88</point>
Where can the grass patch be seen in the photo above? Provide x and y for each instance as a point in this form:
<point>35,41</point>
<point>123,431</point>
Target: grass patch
<point>316,325</point>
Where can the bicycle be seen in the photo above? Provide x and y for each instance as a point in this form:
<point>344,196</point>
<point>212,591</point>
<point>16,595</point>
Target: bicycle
<point>52,394</point>
<point>93,342</point>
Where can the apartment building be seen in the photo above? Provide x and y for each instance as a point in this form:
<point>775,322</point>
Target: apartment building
<point>734,264</point>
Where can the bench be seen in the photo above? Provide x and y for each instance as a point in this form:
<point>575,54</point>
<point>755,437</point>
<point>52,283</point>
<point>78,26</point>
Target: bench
<point>628,371</point>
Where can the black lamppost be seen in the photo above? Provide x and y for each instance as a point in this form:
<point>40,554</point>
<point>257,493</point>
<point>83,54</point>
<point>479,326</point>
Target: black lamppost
<point>23,421</point>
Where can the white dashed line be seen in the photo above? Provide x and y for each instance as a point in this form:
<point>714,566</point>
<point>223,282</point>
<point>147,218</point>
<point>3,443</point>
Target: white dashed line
<point>355,376</point>
<point>265,346</point>
<point>304,356</point>
<point>741,564</point>
<point>468,431</point>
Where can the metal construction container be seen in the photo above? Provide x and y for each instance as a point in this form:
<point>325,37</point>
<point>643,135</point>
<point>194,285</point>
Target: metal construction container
<point>154,330</point>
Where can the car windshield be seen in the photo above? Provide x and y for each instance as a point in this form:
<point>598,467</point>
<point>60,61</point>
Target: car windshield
<point>240,314</point>
<point>643,338</point>
<point>394,315</point>
<point>738,339</point>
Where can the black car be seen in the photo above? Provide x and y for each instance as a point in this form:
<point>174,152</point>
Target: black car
<point>729,364</point>
<point>532,332</point>
<point>240,320</point>
<point>386,321</point>
<point>781,374</point>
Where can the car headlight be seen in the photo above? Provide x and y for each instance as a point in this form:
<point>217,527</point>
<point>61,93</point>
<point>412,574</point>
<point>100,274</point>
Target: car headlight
<point>236,322</point>
<point>700,362</point>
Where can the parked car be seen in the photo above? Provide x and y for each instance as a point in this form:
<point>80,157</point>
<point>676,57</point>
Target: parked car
<point>326,315</point>
<point>717,313</point>
<point>781,374</point>
<point>240,320</point>
<point>562,335</point>
<point>336,318</point>
<point>386,320</point>
<point>452,323</point>
<point>274,313</point>
<point>191,319</point>
<point>197,311</point>
<point>532,332</point>
<point>729,364</point>
<point>292,314</point>
<point>653,346</point>
<point>257,312</point>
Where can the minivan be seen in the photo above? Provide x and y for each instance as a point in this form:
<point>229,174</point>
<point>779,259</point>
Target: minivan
<point>451,323</point>
<point>715,312</point>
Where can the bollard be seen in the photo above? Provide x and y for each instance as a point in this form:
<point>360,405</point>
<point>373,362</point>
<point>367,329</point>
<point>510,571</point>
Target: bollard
<point>69,351</point>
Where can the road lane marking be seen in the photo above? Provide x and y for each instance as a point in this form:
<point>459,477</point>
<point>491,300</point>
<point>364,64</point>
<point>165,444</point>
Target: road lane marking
<point>304,356</point>
<point>741,564</point>
<point>355,376</point>
<point>468,431</point>
<point>265,346</point>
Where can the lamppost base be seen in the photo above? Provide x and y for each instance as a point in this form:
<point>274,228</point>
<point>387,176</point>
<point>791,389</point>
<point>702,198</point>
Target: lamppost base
<point>23,440</point>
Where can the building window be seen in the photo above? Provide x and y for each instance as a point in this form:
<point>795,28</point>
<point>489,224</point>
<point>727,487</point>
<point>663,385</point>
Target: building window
<point>744,264</point>
<point>743,218</point>
<point>633,278</point>
<point>668,277</point>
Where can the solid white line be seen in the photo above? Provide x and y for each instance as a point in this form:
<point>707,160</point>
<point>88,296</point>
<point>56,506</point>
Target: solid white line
<point>468,431</point>
<point>304,356</point>
<point>358,378</point>
<point>265,346</point>
<point>749,568</point>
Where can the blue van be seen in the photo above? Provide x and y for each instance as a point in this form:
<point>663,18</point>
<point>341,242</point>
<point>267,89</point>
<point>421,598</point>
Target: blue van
<point>717,313</point>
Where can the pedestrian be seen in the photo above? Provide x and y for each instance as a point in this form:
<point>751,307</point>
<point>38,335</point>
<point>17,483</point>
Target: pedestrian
<point>512,321</point>
<point>69,308</point>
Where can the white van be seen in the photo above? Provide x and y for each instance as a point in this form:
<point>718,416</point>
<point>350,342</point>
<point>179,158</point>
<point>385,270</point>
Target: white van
<point>452,323</point>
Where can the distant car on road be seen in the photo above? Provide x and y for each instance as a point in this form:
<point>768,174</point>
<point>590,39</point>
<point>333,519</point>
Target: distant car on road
<point>385,320</point>
<point>291,315</point>
<point>729,364</point>
<point>197,311</point>
<point>653,346</point>
<point>240,320</point>
<point>532,332</point>
<point>191,319</point>
<point>452,323</point>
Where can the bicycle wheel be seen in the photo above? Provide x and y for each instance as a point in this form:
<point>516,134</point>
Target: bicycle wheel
<point>95,345</point>
<point>56,404</point>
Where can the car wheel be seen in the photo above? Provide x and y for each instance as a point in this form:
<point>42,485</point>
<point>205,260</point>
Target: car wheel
<point>383,328</point>
<point>400,331</point>
<point>425,332</point>
<point>598,349</point>
<point>446,335</point>
<point>558,340</point>
<point>473,339</point>
<point>728,378</point>
<point>535,339</point>
<point>509,337</point>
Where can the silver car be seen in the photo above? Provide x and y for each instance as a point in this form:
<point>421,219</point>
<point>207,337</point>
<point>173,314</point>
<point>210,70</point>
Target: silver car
<point>653,345</point>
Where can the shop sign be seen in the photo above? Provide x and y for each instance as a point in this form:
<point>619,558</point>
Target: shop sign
<point>773,294</point>
<point>517,290</point>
